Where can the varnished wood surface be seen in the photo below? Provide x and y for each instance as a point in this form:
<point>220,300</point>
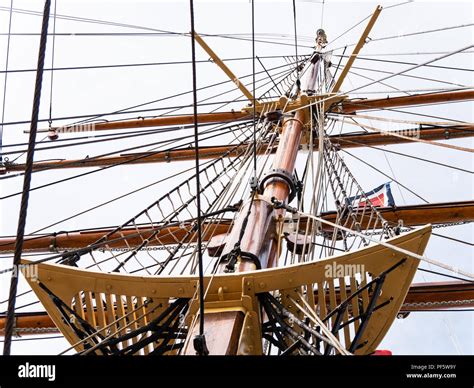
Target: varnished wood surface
<point>354,140</point>
<point>416,99</point>
<point>412,215</point>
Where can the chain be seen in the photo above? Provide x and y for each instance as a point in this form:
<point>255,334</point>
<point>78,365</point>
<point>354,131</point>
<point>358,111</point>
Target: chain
<point>436,226</point>
<point>450,303</point>
<point>447,224</point>
<point>35,330</point>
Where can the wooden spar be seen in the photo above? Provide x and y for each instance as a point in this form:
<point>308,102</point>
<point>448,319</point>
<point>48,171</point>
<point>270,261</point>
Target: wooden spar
<point>437,295</point>
<point>432,296</point>
<point>175,155</point>
<point>132,236</point>
<point>346,106</point>
<point>416,215</point>
<point>223,66</point>
<point>345,141</point>
<point>349,107</point>
<point>412,215</point>
<point>218,117</point>
<point>357,49</point>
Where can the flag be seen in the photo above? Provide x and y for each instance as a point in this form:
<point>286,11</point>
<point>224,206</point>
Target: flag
<point>380,196</point>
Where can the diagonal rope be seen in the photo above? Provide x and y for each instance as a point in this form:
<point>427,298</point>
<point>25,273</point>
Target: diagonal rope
<point>379,242</point>
<point>6,77</point>
<point>199,340</point>
<point>253,94</point>
<point>295,31</point>
<point>52,66</point>
<point>27,181</point>
<point>414,139</point>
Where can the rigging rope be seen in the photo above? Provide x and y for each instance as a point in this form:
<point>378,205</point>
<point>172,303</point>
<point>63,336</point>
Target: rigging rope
<point>123,25</point>
<point>422,32</point>
<point>445,275</point>
<point>268,74</point>
<point>296,40</point>
<point>425,115</point>
<point>415,66</point>
<point>125,162</point>
<point>412,76</point>
<point>199,340</point>
<point>6,76</point>
<point>411,33</point>
<point>412,157</point>
<point>254,147</point>
<point>348,30</point>
<point>380,242</point>
<point>453,239</point>
<point>322,13</point>
<point>385,175</point>
<point>413,63</point>
<point>127,109</point>
<point>50,121</point>
<point>410,138</point>
<point>172,63</point>
<point>9,326</point>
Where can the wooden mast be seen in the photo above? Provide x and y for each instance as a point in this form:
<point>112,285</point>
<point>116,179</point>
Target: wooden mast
<point>259,239</point>
<point>223,329</point>
<point>253,237</point>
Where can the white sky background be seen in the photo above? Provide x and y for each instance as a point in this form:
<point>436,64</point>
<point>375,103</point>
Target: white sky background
<point>95,91</point>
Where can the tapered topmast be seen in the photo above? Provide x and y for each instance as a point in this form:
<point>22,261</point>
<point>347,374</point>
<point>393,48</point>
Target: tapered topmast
<point>252,242</point>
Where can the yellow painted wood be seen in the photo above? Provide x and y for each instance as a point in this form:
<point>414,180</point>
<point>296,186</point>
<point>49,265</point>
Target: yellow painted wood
<point>224,67</point>
<point>355,303</point>
<point>364,293</point>
<point>132,317</point>
<point>101,318</point>
<point>110,312</point>
<point>90,309</point>
<point>357,49</point>
<point>67,283</point>
<point>142,321</point>
<point>121,323</point>
<point>78,305</point>
<point>342,290</point>
<point>332,303</point>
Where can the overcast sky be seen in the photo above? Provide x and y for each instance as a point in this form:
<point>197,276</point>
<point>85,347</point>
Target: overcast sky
<point>85,92</point>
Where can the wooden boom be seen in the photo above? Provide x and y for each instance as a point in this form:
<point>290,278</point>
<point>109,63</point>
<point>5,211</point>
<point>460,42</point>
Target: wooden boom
<point>154,122</point>
<point>346,106</point>
<point>412,215</point>
<point>354,140</point>
<point>394,102</point>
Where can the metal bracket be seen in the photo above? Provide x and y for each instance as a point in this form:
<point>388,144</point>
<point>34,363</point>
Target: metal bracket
<point>277,174</point>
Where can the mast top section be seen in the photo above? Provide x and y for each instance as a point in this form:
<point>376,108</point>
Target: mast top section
<point>321,39</point>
